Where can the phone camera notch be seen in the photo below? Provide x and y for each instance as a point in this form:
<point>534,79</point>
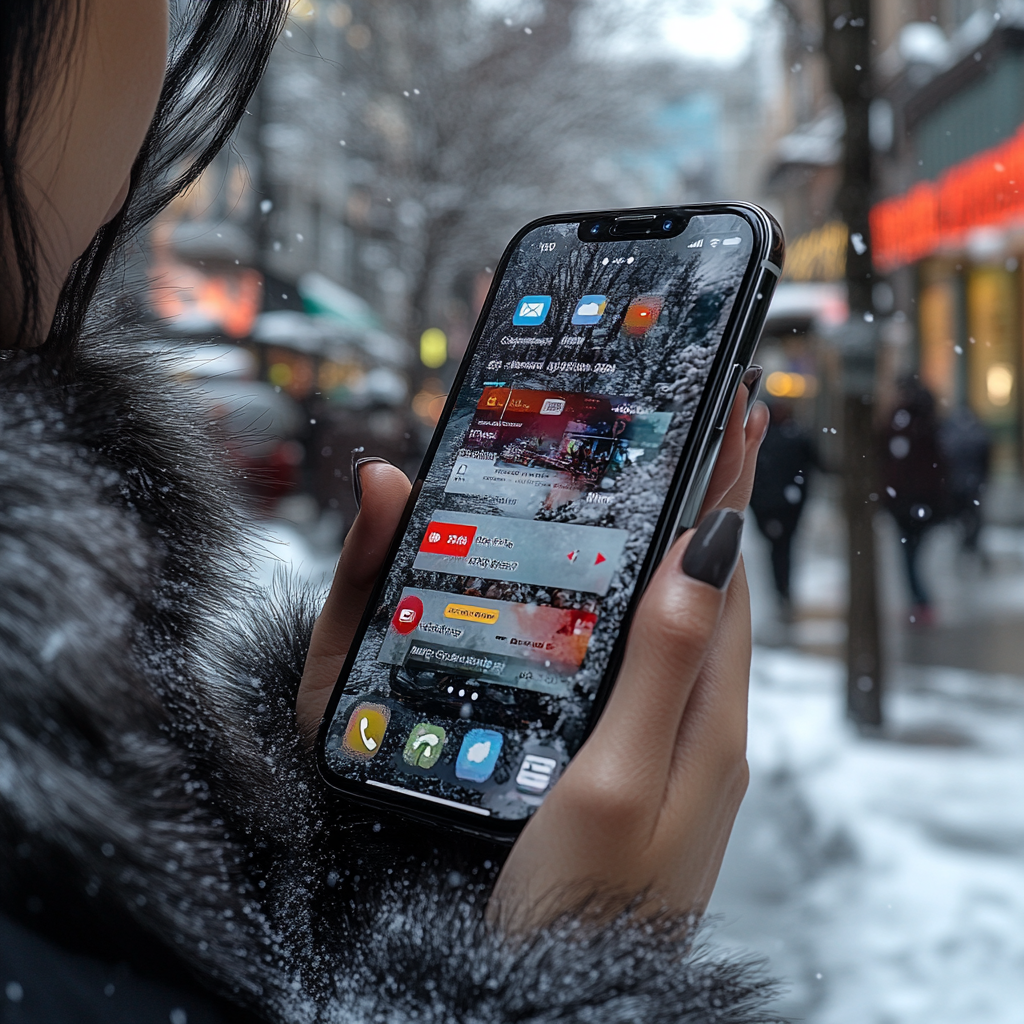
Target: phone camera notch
<point>632,225</point>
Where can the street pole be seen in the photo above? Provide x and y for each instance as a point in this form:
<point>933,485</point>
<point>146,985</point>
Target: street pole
<point>847,44</point>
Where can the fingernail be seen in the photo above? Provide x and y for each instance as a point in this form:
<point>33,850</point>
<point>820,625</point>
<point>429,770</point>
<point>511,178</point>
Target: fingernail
<point>752,379</point>
<point>357,465</point>
<point>715,548</point>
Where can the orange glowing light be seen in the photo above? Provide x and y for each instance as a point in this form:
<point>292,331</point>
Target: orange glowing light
<point>230,301</point>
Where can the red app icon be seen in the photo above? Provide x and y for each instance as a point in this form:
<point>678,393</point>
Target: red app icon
<point>642,314</point>
<point>448,539</point>
<point>408,614</point>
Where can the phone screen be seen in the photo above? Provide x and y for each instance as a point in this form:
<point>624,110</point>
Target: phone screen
<point>475,680</point>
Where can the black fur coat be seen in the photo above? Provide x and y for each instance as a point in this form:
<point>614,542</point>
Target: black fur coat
<point>153,791</point>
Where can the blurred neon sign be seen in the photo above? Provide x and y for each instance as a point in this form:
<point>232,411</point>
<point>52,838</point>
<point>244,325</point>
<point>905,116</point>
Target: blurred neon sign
<point>983,191</point>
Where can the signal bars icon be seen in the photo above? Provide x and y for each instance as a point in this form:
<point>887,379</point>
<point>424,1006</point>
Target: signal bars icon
<point>696,245</point>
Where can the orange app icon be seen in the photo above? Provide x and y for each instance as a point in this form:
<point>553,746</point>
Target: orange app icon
<point>365,731</point>
<point>642,314</point>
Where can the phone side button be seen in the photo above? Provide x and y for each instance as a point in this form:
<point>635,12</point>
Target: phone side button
<point>728,396</point>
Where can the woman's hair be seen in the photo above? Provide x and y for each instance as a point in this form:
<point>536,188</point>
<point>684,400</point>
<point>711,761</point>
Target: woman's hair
<point>219,49</point>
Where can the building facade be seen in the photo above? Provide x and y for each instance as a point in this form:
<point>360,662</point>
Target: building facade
<point>950,234</point>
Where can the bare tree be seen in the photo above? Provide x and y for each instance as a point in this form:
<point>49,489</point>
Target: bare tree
<point>842,30</point>
<point>469,123</point>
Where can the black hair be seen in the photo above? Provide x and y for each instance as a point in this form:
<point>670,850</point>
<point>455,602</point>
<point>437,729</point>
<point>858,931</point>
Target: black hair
<point>219,50</point>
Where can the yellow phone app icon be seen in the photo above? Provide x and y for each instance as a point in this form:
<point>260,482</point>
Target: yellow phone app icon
<point>365,731</point>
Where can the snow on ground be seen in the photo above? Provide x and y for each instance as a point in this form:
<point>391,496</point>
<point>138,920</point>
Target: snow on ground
<point>883,878</point>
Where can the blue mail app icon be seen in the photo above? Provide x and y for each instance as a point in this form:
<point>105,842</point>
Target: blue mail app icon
<point>532,310</point>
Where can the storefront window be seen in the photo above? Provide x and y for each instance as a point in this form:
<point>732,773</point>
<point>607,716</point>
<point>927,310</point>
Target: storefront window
<point>992,320</point>
<point>939,315</point>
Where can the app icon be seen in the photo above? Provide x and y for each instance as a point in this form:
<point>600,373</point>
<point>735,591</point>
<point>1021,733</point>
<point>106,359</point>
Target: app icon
<point>408,614</point>
<point>424,745</point>
<point>552,407</point>
<point>532,310</point>
<point>590,309</point>
<point>642,314</point>
<point>478,755</point>
<point>536,773</point>
<point>365,731</point>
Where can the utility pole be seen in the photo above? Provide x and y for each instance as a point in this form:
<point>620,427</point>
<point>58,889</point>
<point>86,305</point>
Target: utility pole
<point>847,44</point>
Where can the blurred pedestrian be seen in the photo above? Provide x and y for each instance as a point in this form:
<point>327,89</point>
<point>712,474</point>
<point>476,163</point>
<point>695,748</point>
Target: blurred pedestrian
<point>967,448</point>
<point>913,480</point>
<point>780,489</point>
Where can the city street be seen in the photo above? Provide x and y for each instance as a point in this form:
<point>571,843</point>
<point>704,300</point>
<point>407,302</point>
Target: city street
<point>883,878</point>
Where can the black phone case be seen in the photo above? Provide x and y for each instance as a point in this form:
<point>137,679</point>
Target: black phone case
<point>682,505</point>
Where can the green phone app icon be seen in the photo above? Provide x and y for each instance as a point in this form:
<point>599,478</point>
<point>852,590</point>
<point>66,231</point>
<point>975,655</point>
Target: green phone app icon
<point>424,745</point>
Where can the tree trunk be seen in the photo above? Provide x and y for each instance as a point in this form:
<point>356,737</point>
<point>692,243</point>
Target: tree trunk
<point>847,41</point>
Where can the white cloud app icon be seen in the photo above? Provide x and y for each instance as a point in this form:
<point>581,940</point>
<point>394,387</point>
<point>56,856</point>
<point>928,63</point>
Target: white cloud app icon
<point>478,755</point>
<point>590,309</point>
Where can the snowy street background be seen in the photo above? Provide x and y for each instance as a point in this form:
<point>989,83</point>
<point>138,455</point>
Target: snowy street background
<point>883,878</point>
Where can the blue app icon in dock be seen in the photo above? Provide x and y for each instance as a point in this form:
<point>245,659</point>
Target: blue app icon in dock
<point>478,755</point>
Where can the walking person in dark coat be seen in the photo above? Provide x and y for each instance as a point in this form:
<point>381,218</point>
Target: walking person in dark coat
<point>967,448</point>
<point>784,463</point>
<point>914,482</point>
<point>165,839</point>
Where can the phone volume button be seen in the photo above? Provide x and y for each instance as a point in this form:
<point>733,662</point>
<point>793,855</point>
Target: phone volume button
<point>725,408</point>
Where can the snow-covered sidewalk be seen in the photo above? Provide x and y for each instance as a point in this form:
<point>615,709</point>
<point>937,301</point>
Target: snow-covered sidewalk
<point>883,878</point>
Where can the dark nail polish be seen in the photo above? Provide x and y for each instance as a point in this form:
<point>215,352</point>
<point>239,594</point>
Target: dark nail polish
<point>357,464</point>
<point>752,379</point>
<point>715,548</point>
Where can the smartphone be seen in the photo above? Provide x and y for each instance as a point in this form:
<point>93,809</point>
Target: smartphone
<point>577,441</point>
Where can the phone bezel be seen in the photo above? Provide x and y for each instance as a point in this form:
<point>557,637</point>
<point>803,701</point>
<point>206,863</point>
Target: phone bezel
<point>738,342</point>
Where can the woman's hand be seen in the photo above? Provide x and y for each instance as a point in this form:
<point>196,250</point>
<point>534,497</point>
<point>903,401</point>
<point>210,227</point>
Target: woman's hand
<point>647,805</point>
<point>385,490</point>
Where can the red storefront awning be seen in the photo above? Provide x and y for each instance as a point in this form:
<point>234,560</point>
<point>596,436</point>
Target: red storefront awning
<point>985,191</point>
